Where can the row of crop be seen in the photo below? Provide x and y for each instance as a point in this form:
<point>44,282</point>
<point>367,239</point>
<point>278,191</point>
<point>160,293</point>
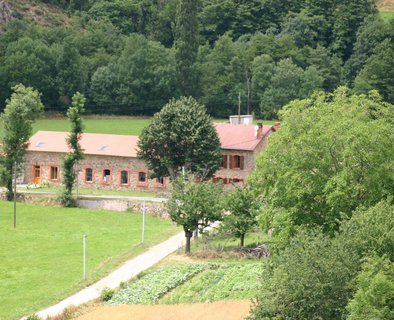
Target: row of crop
<point>151,287</point>
<point>229,281</point>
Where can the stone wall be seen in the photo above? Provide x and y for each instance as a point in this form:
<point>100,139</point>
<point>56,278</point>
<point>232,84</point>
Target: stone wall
<point>98,164</point>
<point>152,208</point>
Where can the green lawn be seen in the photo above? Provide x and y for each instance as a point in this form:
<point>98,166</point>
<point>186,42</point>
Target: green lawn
<point>110,125</point>
<point>41,260</point>
<point>93,191</point>
<point>387,15</point>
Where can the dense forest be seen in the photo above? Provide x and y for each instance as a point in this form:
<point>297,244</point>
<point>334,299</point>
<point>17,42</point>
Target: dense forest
<point>123,54</point>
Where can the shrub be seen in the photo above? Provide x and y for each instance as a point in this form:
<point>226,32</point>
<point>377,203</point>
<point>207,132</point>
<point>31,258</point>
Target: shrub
<point>314,276</point>
<point>107,294</point>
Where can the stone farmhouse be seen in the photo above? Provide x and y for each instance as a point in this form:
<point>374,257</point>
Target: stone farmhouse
<point>111,160</point>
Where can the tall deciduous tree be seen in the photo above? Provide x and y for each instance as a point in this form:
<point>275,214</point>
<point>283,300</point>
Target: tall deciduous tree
<point>334,152</point>
<point>75,155</point>
<point>181,135</point>
<point>242,206</point>
<point>194,205</point>
<point>186,45</point>
<point>21,110</point>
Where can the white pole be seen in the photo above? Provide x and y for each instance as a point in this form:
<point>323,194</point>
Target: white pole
<point>84,256</point>
<point>143,221</point>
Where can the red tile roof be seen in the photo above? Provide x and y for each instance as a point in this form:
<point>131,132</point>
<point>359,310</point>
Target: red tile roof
<point>240,136</point>
<point>91,143</point>
<point>237,137</point>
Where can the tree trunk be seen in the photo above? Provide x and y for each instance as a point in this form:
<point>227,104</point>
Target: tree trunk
<point>188,235</point>
<point>242,238</point>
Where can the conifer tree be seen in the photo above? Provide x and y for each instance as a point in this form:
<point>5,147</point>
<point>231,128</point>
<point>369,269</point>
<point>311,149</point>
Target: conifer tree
<point>75,155</point>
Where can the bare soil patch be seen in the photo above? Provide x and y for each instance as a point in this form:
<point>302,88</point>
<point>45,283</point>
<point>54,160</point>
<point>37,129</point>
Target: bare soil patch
<point>228,310</point>
<point>386,5</point>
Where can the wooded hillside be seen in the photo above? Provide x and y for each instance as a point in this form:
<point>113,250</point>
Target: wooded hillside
<point>121,54</point>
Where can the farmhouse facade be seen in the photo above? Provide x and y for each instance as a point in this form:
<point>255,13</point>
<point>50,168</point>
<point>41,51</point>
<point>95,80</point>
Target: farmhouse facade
<point>110,161</point>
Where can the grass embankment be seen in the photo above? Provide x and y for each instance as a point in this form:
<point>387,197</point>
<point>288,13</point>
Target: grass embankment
<point>41,260</point>
<point>92,191</point>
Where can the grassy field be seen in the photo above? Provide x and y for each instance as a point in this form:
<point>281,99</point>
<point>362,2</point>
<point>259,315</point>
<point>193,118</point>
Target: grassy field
<point>110,125</point>
<point>387,15</point>
<point>41,260</point>
<point>92,191</point>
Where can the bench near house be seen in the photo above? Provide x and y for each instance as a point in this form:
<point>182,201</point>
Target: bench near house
<point>111,160</point>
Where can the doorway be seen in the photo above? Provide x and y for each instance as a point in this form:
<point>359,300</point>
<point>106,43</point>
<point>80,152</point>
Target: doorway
<point>36,174</point>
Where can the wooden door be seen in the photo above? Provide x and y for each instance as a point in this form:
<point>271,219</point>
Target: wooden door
<point>36,174</point>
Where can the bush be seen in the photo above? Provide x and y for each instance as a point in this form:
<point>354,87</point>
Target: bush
<point>374,298</point>
<point>107,294</point>
<point>314,277</point>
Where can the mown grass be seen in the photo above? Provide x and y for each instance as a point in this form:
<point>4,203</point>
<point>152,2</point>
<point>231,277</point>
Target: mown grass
<point>107,125</point>
<point>41,260</point>
<point>93,191</point>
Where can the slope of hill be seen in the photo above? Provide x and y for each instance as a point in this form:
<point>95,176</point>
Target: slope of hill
<point>38,12</point>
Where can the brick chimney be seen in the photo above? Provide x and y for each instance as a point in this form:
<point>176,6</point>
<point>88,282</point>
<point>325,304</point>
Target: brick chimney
<point>259,130</point>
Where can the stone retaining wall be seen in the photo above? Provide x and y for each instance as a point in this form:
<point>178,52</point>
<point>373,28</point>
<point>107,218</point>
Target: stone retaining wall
<point>156,209</point>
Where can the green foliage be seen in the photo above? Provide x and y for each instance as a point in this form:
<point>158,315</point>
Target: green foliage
<point>194,205</point>
<point>378,72</point>
<point>33,317</point>
<point>219,282</point>
<point>242,206</point>
<point>72,73</point>
<point>180,135</point>
<point>186,45</point>
<point>333,153</point>
<point>313,277</point>
<point>75,155</point>
<point>110,51</point>
<point>22,109</point>
<point>151,287</point>
<point>141,80</point>
<point>374,298</point>
<point>106,294</point>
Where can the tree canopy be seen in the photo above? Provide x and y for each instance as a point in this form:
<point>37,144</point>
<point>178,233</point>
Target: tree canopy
<point>180,135</point>
<point>194,204</point>
<point>21,110</point>
<point>212,50</point>
<point>334,152</point>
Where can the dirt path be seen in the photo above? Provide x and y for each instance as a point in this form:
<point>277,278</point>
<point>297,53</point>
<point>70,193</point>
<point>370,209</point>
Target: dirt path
<point>221,310</point>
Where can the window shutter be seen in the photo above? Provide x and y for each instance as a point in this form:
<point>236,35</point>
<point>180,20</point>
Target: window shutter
<point>231,162</point>
<point>241,160</point>
<point>225,161</point>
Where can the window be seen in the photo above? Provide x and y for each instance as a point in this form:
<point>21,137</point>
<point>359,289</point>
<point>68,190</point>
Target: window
<point>88,175</point>
<point>160,182</point>
<point>106,176</point>
<point>224,161</point>
<point>236,162</point>
<point>142,178</point>
<point>124,177</point>
<point>54,173</point>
